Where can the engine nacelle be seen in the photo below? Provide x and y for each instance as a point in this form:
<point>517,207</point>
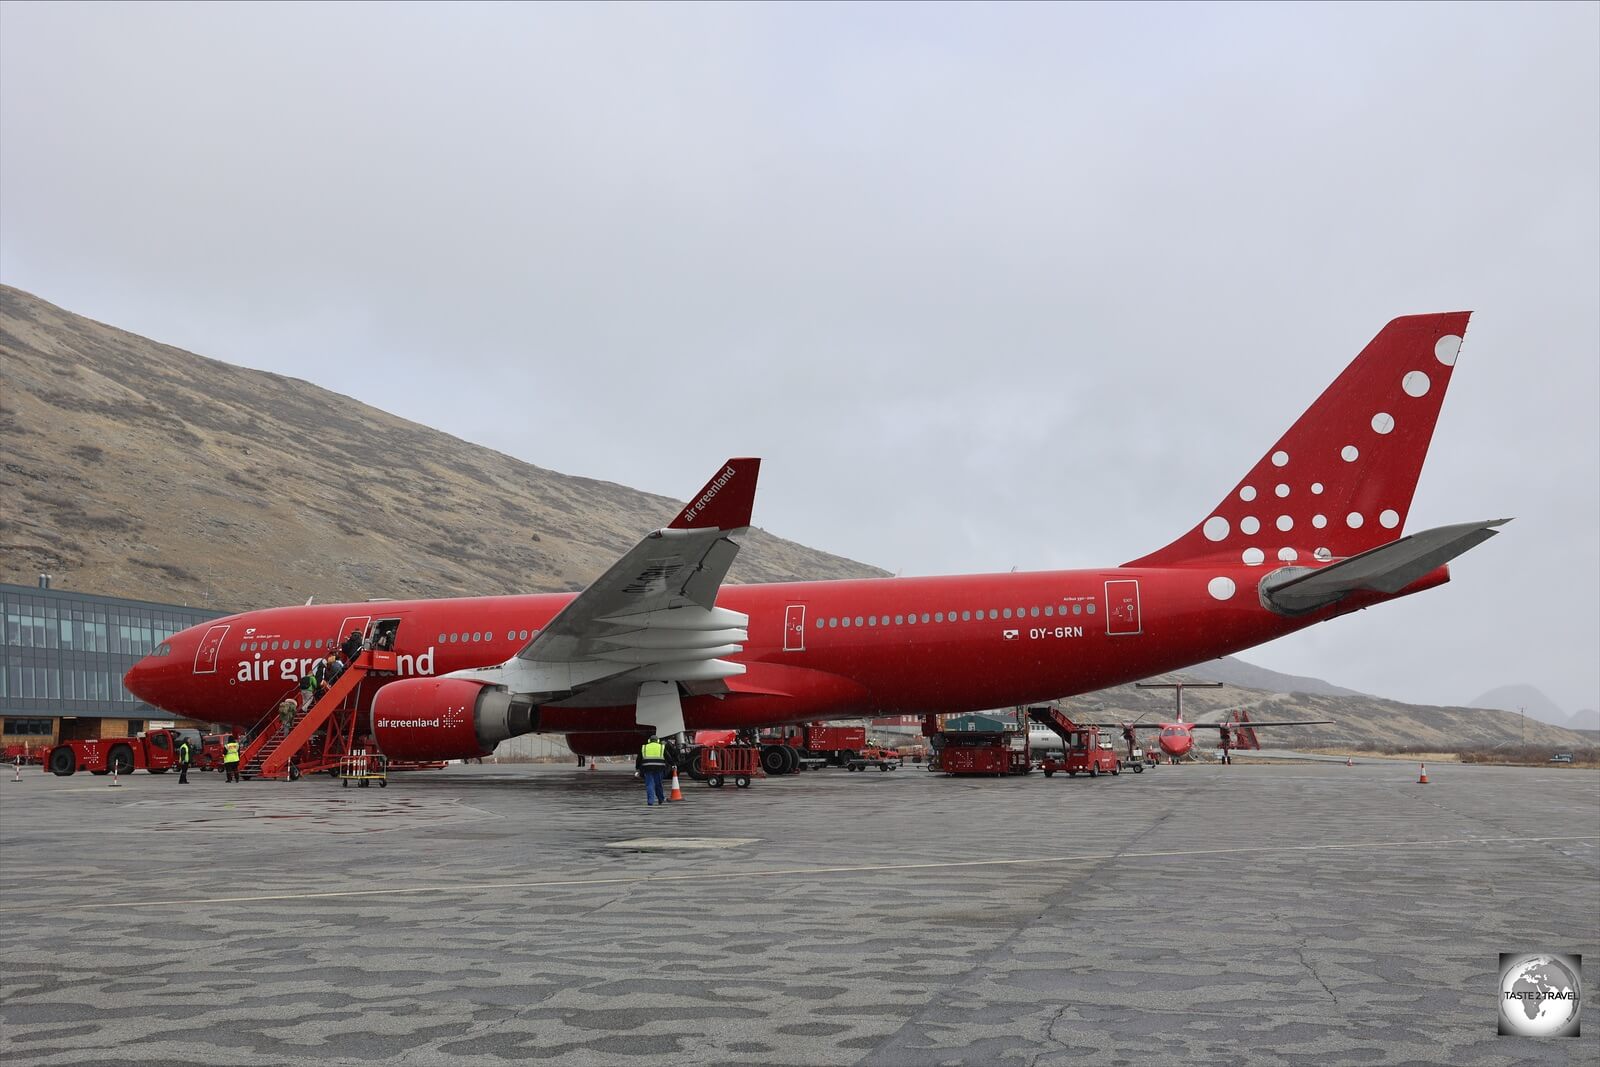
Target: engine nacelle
<point>445,718</point>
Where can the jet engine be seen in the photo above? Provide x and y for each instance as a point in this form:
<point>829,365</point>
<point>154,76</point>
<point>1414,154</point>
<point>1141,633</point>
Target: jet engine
<point>446,718</point>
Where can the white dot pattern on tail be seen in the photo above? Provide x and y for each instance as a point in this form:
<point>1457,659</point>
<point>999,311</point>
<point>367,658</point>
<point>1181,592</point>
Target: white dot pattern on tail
<point>1416,383</point>
<point>1446,349</point>
<point>1220,588</point>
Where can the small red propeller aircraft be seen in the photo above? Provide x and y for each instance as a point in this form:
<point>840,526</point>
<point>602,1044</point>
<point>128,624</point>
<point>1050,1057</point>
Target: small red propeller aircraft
<point>1177,739</point>
<point>658,644</point>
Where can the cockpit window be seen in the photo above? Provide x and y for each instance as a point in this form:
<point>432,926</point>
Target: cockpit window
<point>163,649</point>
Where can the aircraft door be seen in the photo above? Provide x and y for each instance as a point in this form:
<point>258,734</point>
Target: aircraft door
<point>794,628</point>
<point>205,657</point>
<point>354,622</point>
<point>1122,607</point>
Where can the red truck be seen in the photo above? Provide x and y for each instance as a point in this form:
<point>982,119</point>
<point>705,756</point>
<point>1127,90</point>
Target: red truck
<point>1085,753</point>
<point>155,751</point>
<point>787,749</point>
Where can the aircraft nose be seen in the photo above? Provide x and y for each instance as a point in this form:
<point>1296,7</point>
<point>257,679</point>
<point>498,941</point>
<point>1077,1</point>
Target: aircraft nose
<point>137,680</point>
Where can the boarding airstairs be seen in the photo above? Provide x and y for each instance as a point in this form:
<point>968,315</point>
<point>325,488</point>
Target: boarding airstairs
<point>333,714</point>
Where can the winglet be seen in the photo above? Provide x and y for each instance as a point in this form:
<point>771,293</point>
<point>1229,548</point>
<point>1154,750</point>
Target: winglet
<point>725,502</point>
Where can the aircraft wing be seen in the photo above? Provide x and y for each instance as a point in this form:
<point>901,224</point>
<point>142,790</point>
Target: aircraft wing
<point>651,620</point>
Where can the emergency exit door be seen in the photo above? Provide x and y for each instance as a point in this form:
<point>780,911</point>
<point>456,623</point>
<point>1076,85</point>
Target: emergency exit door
<point>205,657</point>
<point>794,628</point>
<point>1122,607</point>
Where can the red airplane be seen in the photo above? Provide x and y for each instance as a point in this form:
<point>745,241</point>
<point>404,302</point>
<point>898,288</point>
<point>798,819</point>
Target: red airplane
<point>658,644</point>
<point>1176,739</point>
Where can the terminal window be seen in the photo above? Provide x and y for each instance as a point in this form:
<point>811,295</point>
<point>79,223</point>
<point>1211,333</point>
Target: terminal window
<point>27,727</point>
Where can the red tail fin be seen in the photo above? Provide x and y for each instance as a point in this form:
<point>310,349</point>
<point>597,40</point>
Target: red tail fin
<point>725,502</point>
<point>1341,480</point>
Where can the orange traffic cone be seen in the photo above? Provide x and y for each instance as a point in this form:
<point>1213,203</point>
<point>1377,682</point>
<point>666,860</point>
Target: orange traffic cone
<point>1423,780</point>
<point>591,765</point>
<point>676,794</point>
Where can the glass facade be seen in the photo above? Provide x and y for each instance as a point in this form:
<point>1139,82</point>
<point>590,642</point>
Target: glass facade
<point>64,653</point>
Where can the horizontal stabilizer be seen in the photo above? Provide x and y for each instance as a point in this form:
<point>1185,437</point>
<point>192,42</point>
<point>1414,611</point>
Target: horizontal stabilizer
<point>1386,569</point>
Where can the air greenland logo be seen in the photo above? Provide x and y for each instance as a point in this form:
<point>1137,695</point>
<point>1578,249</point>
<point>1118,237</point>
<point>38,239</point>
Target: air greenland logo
<point>407,724</point>
<point>699,506</point>
<point>293,668</point>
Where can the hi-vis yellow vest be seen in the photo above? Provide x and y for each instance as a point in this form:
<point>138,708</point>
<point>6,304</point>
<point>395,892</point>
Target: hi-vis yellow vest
<point>653,750</point>
<point>230,752</point>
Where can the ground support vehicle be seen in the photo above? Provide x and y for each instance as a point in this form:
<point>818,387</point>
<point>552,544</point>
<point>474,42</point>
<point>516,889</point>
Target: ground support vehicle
<point>364,768</point>
<point>717,763</point>
<point>1135,761</point>
<point>155,751</point>
<point>24,754</point>
<point>1083,749</point>
<point>881,761</point>
<point>995,753</point>
<point>787,749</point>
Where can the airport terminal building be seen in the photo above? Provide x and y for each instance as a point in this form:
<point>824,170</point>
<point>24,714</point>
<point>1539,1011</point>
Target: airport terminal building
<point>62,657</point>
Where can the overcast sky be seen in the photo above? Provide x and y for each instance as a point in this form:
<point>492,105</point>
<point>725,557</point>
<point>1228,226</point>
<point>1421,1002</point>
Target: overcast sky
<point>986,286</point>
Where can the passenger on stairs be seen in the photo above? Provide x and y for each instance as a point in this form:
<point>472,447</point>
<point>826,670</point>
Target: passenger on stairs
<point>286,714</point>
<point>351,646</point>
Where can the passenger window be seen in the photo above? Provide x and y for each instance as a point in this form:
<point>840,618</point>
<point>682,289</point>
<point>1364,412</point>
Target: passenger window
<point>522,635</point>
<point>833,621</point>
<point>938,616</point>
<point>872,620</point>
<point>1091,607</point>
<point>899,620</point>
<point>1077,609</point>
<point>1034,611</point>
<point>860,621</point>
<point>845,622</point>
<point>1006,613</point>
<point>993,614</point>
<point>924,616</point>
<point>966,616</point>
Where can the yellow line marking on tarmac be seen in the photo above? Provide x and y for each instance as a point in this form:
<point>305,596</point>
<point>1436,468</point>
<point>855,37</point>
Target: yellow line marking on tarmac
<point>655,879</point>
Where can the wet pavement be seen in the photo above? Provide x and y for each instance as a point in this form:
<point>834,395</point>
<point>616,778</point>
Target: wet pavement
<point>1273,914</point>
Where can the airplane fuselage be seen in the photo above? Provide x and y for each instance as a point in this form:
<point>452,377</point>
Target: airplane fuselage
<point>816,650</point>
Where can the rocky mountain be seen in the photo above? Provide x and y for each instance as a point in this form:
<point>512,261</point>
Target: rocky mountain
<point>1236,672</point>
<point>1523,697</point>
<point>133,468</point>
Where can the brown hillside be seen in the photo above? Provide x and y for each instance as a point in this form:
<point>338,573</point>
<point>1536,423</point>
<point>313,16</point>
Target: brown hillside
<point>119,476</point>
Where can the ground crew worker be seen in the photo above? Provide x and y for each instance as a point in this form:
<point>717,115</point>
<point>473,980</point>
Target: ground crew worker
<point>230,760</point>
<point>652,765</point>
<point>183,762</point>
